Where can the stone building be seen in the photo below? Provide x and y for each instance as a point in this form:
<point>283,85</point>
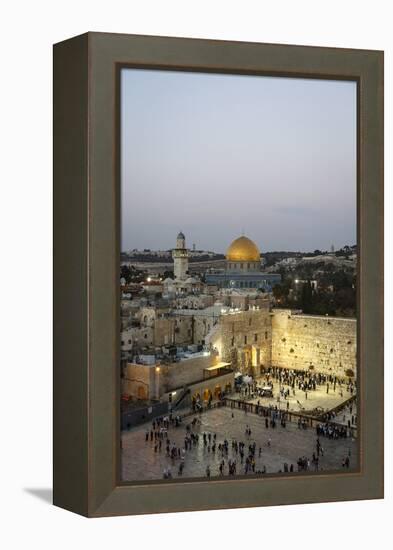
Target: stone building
<point>243,300</point>
<point>244,338</point>
<point>161,379</point>
<point>173,288</point>
<point>202,321</point>
<point>194,301</point>
<point>136,337</point>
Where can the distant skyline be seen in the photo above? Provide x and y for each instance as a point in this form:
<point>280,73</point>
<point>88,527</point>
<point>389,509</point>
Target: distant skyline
<point>218,155</point>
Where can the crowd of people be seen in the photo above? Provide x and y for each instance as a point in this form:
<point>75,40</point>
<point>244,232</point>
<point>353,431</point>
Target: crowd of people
<point>347,415</point>
<point>242,457</point>
<point>292,381</point>
<point>233,456</point>
<point>332,431</point>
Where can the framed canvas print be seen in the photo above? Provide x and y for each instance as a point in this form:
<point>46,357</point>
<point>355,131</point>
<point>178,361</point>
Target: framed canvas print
<point>218,274</point>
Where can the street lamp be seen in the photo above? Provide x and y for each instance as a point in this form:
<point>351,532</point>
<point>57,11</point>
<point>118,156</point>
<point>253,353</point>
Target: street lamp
<point>158,369</point>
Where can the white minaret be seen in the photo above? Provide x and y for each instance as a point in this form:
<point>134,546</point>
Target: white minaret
<point>180,257</point>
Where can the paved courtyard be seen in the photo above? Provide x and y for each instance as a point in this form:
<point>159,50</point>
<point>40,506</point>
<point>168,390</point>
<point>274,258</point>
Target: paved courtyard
<point>141,462</point>
<point>315,398</point>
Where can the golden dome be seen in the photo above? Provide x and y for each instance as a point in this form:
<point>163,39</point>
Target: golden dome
<point>243,249</point>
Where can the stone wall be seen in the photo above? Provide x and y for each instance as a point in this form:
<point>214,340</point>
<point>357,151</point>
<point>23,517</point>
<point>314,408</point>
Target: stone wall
<point>138,336</point>
<point>244,339</point>
<point>222,383</point>
<point>186,371</point>
<point>153,381</point>
<point>194,301</point>
<point>248,340</point>
<point>173,330</point>
<point>326,343</point>
<point>140,381</point>
<point>202,327</point>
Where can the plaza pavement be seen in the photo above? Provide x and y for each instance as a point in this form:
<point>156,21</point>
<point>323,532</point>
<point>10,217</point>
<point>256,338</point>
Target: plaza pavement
<point>315,398</point>
<point>140,462</point>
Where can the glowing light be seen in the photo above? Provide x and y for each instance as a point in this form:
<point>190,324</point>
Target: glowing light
<point>158,369</point>
<point>296,281</point>
<point>148,279</point>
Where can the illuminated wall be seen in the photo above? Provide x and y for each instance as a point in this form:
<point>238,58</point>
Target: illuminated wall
<point>326,343</point>
<point>239,335</point>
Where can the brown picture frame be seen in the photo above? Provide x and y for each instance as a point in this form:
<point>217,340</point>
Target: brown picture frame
<point>86,270</point>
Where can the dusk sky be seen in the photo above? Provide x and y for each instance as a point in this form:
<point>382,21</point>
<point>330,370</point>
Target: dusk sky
<point>217,155</point>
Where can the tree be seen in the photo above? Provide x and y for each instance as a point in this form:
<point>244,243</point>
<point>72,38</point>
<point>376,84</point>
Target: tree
<point>126,273</point>
<point>307,297</point>
<point>280,291</point>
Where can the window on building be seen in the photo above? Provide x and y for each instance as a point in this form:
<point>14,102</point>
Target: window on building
<point>249,321</point>
<point>255,337</point>
<point>233,341</point>
<point>266,335</point>
<point>245,339</point>
<point>241,266</point>
<point>248,266</point>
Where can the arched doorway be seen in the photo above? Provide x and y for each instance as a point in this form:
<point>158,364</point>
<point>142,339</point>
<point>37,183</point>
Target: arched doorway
<point>142,393</point>
<point>247,361</point>
<point>206,394</point>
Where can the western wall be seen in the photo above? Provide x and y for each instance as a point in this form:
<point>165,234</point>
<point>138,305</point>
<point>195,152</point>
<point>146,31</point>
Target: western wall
<point>326,343</point>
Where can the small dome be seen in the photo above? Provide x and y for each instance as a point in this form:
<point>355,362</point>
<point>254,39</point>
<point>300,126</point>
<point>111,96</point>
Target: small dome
<point>243,249</point>
<point>181,235</point>
<point>168,280</point>
<point>191,280</point>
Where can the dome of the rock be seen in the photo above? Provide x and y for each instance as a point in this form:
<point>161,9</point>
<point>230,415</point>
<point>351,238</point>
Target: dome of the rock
<point>243,249</point>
